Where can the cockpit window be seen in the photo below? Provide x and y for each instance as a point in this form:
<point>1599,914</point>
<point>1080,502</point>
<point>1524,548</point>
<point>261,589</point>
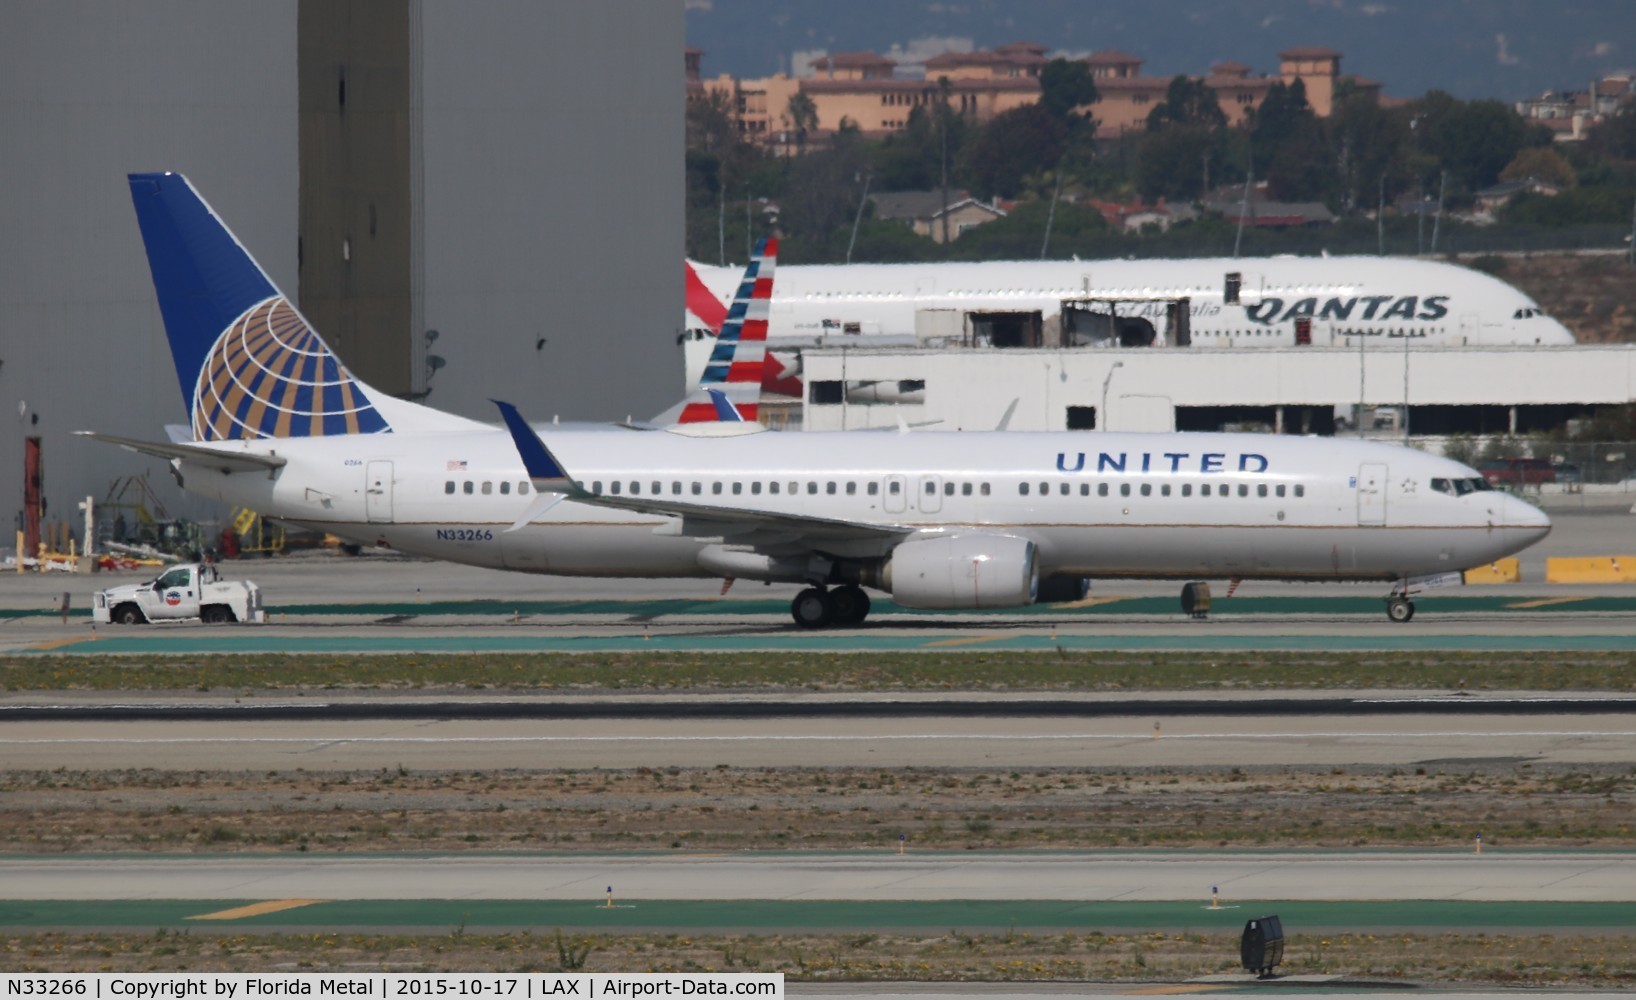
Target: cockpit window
<point>1527,313</point>
<point>1460,487</point>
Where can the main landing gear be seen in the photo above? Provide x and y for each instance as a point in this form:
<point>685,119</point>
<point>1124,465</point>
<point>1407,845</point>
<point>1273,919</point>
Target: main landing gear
<point>816,607</point>
<point>1399,608</point>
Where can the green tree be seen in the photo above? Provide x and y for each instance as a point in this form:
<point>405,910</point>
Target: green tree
<point>802,116</point>
<point>1538,161</point>
<point>1014,145</point>
<point>1065,87</point>
<point>1171,162</point>
<point>1187,102</point>
<point>1283,116</point>
<point>1472,140</point>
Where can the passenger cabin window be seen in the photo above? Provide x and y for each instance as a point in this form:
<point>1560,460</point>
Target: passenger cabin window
<point>1124,489</point>
<point>596,486</point>
<point>738,488</point>
<point>874,488</point>
<point>1300,491</point>
<point>1243,490</point>
<point>851,488</point>
<point>698,488</point>
<point>715,489</point>
<point>772,488</point>
<point>1187,489</point>
<point>613,487</point>
<point>1147,489</point>
<point>1279,489</point>
<point>894,488</point>
<point>984,490</point>
<point>505,489</point>
<point>755,489</point>
<point>965,489</point>
<point>1101,489</point>
<point>1022,489</point>
<point>467,487</point>
<point>448,487</point>
<point>1261,489</point>
<point>1063,489</point>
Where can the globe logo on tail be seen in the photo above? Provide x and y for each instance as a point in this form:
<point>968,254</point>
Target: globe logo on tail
<point>269,375</point>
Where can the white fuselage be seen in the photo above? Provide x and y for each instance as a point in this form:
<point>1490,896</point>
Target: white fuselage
<point>1143,505</point>
<point>1349,301</point>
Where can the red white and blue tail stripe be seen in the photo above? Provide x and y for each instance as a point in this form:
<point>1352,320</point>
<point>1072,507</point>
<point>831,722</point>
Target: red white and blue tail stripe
<point>739,359</point>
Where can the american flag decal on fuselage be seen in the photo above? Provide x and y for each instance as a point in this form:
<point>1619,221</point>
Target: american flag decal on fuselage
<point>269,375</point>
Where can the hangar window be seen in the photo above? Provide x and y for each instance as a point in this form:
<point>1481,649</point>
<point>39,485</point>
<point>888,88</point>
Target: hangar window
<point>505,489</point>
<point>448,487</point>
<point>467,487</point>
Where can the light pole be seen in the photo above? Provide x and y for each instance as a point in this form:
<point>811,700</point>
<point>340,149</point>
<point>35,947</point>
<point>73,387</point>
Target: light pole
<point>1102,414</point>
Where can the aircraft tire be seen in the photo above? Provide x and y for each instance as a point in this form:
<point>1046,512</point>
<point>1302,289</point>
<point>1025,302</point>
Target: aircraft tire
<point>813,608</point>
<point>1400,609</point>
<point>851,604</point>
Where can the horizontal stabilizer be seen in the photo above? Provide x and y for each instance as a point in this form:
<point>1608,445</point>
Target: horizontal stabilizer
<point>225,461</point>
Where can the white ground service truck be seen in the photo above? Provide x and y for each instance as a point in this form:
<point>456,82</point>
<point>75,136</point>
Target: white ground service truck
<point>192,590</point>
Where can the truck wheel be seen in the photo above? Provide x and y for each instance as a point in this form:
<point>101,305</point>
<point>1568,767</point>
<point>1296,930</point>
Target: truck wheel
<point>217,614</point>
<point>129,614</point>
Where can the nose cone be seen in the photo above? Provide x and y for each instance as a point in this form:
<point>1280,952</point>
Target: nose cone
<point>1526,523</point>
<point>1554,334</point>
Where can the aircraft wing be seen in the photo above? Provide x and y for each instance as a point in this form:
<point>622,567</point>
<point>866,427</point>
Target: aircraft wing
<point>223,461</point>
<point>762,529</point>
<point>751,527</point>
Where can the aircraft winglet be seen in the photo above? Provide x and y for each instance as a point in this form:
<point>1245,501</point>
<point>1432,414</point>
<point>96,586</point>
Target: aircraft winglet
<point>543,467</point>
<point>726,412</point>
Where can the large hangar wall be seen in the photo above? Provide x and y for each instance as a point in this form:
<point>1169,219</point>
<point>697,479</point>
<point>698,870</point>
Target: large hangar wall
<point>90,91</point>
<point>550,147</point>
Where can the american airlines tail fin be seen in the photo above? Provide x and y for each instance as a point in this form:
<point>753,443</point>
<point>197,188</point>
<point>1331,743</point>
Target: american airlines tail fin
<point>739,358</point>
<point>249,364</point>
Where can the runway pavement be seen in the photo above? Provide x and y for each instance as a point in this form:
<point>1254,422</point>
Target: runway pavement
<point>1567,877</point>
<point>954,741</point>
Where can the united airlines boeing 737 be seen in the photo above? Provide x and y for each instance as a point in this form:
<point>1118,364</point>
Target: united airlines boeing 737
<point>936,520</point>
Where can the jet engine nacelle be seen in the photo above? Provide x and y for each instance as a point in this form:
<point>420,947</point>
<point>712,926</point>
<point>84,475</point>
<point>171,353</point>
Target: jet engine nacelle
<point>962,572</point>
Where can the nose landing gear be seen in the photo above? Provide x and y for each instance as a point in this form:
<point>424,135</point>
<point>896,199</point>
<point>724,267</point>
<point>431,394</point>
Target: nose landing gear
<point>1399,608</point>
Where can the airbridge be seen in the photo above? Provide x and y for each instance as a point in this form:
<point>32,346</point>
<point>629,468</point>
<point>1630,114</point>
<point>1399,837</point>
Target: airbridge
<point>1417,390</point>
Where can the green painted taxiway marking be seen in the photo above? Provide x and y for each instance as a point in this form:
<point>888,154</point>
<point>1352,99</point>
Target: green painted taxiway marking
<point>772,915</point>
<point>249,641</point>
